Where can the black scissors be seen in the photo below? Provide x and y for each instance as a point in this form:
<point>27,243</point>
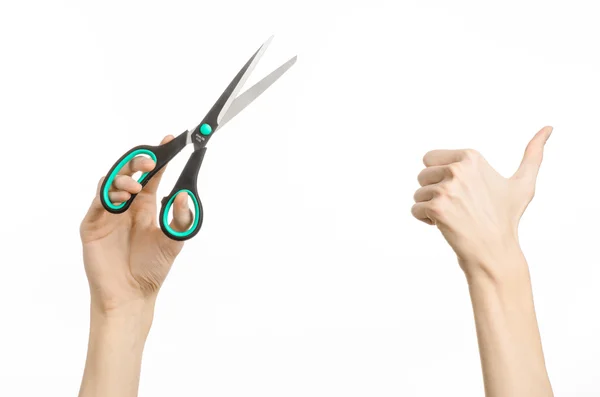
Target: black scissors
<point>227,107</point>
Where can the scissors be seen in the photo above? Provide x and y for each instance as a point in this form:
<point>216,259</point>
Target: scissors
<point>225,108</point>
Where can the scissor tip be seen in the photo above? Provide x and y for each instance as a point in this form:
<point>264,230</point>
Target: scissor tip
<point>290,61</point>
<point>266,43</point>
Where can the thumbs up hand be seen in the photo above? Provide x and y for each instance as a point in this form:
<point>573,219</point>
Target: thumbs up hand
<point>476,209</point>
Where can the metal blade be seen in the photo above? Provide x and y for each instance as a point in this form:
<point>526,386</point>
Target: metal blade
<point>255,91</point>
<point>233,94</point>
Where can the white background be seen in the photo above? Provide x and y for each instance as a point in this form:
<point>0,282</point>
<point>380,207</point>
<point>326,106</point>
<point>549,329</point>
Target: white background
<point>309,277</point>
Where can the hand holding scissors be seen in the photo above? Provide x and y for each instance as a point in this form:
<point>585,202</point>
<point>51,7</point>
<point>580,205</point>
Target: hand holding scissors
<point>225,108</point>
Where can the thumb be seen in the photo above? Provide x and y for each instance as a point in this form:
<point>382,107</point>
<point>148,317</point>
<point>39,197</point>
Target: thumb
<point>182,220</point>
<point>182,215</point>
<point>532,159</point>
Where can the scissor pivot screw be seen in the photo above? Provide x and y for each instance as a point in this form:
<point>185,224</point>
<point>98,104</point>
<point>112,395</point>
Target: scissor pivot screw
<point>205,129</point>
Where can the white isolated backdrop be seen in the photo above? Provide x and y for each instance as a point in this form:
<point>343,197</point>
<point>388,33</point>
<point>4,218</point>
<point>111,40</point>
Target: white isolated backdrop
<point>309,277</point>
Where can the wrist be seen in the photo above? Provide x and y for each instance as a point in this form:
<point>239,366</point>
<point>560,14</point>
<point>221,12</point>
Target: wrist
<point>498,261</point>
<point>136,315</point>
<point>505,293</point>
<point>505,274</point>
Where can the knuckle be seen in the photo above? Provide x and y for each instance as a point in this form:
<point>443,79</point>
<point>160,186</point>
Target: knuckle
<point>119,180</point>
<point>454,169</point>
<point>133,164</point>
<point>442,189</point>
<point>471,154</point>
<point>436,207</point>
<point>451,190</point>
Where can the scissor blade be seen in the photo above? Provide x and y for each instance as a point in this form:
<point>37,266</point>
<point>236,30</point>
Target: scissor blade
<point>255,91</point>
<point>238,82</point>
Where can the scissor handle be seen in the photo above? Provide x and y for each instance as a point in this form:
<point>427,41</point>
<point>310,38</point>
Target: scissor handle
<point>186,183</point>
<point>160,154</point>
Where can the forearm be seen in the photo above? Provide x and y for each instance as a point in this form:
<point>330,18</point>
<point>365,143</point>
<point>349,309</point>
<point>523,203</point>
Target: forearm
<point>115,348</point>
<point>509,341</point>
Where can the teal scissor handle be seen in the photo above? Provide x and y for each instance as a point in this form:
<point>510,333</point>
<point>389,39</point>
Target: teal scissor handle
<point>160,154</point>
<point>186,183</point>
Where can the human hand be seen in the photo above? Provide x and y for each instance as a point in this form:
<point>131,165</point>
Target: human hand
<point>476,209</point>
<point>127,257</point>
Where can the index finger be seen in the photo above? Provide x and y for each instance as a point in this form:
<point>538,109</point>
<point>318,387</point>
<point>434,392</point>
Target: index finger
<point>152,185</point>
<point>443,157</point>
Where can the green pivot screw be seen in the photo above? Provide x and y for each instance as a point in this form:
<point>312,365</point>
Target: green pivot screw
<point>205,129</point>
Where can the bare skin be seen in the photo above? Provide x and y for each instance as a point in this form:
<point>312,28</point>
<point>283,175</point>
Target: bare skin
<point>478,213</point>
<point>127,258</point>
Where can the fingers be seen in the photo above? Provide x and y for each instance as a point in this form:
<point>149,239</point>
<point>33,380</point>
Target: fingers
<point>425,205</point>
<point>117,197</point>
<point>420,211</point>
<point>442,167</point>
<point>182,215</point>
<point>126,183</point>
<point>123,187</point>
<point>96,209</point>
<point>431,179</point>
<point>427,193</point>
<point>432,175</point>
<point>533,156</point>
<point>443,157</point>
<point>152,185</point>
<point>136,164</point>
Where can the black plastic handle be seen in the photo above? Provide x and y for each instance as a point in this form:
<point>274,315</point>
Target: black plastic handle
<point>187,182</point>
<point>160,154</point>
